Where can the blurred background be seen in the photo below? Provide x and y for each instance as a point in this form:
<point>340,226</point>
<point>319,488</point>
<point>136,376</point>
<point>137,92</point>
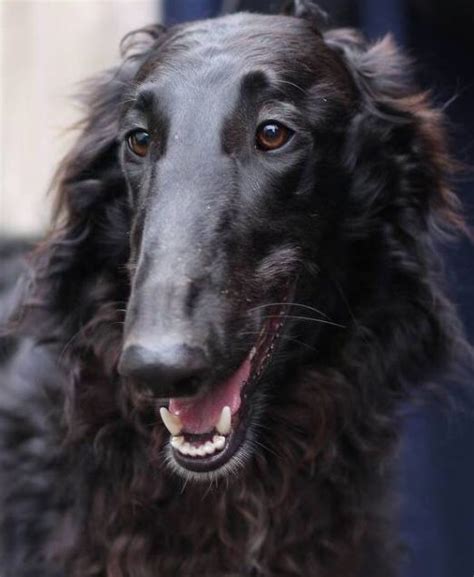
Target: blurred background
<point>48,46</point>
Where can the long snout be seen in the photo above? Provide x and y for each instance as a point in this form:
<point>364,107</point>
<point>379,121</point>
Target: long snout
<point>176,307</point>
<point>170,327</point>
<point>167,329</point>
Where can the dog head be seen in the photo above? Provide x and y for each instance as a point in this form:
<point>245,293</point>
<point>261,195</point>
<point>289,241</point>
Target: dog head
<point>273,194</point>
<point>229,132</point>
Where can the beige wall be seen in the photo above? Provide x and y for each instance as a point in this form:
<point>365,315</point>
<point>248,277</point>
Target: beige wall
<point>46,48</point>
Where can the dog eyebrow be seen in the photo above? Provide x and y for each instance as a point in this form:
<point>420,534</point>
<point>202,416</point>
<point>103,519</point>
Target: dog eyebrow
<point>254,81</point>
<point>136,107</point>
<point>142,100</point>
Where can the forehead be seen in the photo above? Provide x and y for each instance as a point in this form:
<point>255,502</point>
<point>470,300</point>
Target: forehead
<point>225,52</point>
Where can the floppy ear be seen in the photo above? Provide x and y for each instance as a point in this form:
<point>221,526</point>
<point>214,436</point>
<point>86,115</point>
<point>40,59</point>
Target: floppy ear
<point>397,134</point>
<point>399,204</point>
<point>91,212</point>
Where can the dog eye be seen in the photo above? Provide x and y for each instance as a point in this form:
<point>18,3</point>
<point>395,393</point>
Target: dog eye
<point>272,135</point>
<point>138,142</point>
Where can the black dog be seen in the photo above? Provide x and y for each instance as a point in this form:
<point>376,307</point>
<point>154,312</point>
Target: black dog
<point>244,246</point>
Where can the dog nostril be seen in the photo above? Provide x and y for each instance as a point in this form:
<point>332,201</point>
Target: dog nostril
<point>169,371</point>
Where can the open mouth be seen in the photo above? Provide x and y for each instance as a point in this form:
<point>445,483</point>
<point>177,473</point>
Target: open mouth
<point>206,431</point>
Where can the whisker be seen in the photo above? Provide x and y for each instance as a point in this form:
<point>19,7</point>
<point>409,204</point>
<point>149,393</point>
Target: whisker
<point>280,81</point>
<point>208,490</point>
<point>302,318</point>
<point>283,337</point>
<point>69,343</point>
<point>301,305</point>
<point>265,447</point>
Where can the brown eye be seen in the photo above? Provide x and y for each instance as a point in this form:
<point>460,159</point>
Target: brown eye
<point>272,135</point>
<point>138,142</point>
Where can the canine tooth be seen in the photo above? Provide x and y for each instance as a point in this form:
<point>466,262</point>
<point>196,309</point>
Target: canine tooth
<point>209,448</point>
<point>223,424</point>
<point>177,441</point>
<point>172,422</point>
<point>219,441</point>
<point>253,352</point>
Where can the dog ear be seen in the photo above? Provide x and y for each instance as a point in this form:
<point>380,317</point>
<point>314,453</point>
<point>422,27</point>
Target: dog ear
<point>398,207</point>
<point>308,10</point>
<point>89,170</point>
<point>91,212</point>
<point>398,133</point>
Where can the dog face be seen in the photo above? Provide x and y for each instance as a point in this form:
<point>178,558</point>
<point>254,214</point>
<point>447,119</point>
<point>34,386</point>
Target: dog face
<point>224,142</point>
<point>233,181</point>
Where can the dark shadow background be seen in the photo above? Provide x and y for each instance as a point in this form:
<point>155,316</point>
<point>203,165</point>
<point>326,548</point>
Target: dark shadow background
<point>436,467</point>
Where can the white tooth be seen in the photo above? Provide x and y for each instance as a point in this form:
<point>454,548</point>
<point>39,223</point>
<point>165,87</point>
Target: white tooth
<point>224,422</point>
<point>209,448</point>
<point>192,451</point>
<point>253,352</point>
<point>184,449</point>
<point>201,451</point>
<point>218,441</point>
<point>177,441</point>
<point>172,422</point>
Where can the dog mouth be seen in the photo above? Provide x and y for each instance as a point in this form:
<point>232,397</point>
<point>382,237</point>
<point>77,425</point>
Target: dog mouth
<point>207,430</point>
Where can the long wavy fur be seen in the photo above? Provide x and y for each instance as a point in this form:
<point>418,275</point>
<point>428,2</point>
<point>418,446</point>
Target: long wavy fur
<point>95,498</point>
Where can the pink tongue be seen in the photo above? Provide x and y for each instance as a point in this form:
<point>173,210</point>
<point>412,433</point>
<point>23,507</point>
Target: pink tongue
<point>200,414</point>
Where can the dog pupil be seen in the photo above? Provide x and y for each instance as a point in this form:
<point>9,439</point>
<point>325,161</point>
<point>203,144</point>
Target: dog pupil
<point>271,132</point>
<point>271,136</point>
<point>142,139</point>
<point>138,142</point>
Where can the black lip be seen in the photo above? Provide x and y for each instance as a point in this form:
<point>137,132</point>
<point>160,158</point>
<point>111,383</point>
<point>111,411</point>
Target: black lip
<point>234,439</point>
<point>238,434</point>
<point>213,462</point>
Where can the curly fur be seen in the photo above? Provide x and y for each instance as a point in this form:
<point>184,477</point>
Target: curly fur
<point>85,491</point>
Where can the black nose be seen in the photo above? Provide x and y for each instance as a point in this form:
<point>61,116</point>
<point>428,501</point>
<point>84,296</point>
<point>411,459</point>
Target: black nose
<point>168,371</point>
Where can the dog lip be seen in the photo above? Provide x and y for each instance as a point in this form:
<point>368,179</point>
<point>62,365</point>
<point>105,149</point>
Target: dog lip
<point>204,413</point>
<point>201,414</point>
<point>212,462</point>
<point>259,355</point>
